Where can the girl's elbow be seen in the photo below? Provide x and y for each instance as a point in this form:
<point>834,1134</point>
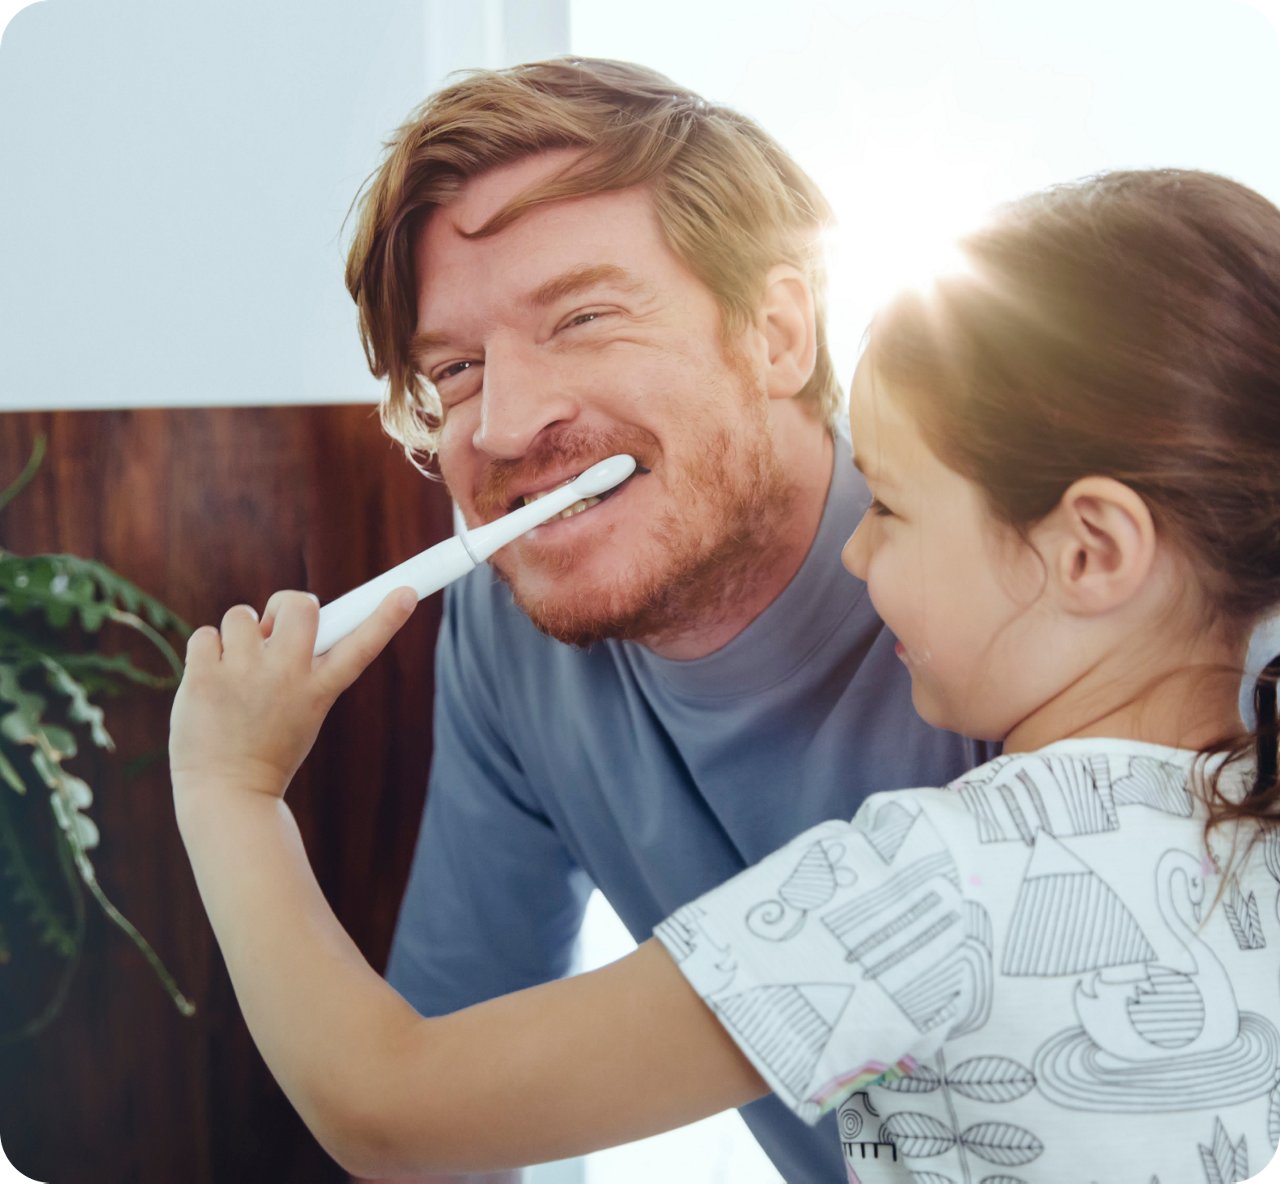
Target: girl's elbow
<point>364,1150</point>
<point>354,1132</point>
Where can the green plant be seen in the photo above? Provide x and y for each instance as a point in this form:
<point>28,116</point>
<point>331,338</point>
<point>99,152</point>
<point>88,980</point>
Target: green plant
<point>52,611</point>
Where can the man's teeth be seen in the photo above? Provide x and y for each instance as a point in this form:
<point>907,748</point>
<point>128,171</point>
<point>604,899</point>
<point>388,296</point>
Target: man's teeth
<point>585,504</point>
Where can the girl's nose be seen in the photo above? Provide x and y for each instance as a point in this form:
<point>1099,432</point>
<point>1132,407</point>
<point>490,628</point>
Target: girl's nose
<point>856,551</point>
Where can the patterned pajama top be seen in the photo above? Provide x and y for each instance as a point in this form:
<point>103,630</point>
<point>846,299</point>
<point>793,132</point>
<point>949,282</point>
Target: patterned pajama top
<point>1038,973</point>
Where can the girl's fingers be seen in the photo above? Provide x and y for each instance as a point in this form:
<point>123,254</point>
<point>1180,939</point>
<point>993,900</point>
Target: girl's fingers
<point>295,618</point>
<point>343,664</point>
<point>240,633</point>
<point>272,610</point>
<point>204,646</point>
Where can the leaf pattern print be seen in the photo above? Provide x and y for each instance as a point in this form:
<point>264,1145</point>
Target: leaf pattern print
<point>991,1079</point>
<point>917,1135</point>
<point>1002,1143</point>
<point>983,1079</point>
<point>923,1080</point>
<point>1242,914</point>
<point>1225,1162</point>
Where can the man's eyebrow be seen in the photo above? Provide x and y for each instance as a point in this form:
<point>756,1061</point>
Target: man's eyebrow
<point>423,342</point>
<point>569,283</point>
<point>579,279</point>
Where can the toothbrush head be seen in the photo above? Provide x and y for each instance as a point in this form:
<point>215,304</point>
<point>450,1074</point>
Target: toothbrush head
<point>604,475</point>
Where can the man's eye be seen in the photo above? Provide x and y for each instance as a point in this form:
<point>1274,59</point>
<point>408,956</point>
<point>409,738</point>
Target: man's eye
<point>582,318</point>
<point>452,370</point>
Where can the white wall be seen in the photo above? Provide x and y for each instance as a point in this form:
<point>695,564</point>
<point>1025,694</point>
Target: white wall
<point>175,179</point>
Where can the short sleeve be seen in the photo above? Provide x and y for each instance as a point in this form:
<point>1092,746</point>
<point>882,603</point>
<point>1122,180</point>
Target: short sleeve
<point>839,959</point>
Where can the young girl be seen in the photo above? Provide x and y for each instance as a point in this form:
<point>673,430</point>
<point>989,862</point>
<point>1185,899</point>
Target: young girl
<point>1064,966</point>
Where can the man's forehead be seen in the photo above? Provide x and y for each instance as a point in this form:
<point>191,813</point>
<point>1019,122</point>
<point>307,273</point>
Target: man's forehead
<point>478,199</point>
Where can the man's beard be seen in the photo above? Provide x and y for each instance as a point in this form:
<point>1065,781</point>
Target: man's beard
<point>700,569</point>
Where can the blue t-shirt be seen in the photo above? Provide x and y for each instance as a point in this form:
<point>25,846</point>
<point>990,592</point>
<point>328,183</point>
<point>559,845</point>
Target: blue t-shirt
<point>556,768</point>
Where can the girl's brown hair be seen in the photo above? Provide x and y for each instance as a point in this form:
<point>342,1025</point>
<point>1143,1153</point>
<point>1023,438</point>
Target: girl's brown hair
<point>731,203</point>
<point>1126,325</point>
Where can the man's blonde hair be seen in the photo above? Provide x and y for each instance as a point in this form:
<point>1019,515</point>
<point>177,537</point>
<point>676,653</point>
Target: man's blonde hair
<point>730,202</point>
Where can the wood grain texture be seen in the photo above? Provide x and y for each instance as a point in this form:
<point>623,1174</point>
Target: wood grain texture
<point>204,509</point>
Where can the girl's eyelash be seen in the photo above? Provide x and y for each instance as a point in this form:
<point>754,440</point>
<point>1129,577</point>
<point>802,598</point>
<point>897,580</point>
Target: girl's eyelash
<point>878,508</point>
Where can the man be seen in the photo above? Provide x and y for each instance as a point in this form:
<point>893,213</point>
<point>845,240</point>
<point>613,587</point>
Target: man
<point>557,263</point>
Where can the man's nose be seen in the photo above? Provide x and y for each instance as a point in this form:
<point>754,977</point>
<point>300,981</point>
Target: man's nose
<point>521,397</point>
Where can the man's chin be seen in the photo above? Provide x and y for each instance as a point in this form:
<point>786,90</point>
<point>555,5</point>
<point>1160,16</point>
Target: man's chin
<point>580,616</point>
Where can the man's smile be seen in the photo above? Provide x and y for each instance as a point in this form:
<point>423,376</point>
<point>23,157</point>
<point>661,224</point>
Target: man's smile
<point>578,507</point>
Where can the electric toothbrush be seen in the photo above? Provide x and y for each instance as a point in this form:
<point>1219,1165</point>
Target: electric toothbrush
<point>437,566</point>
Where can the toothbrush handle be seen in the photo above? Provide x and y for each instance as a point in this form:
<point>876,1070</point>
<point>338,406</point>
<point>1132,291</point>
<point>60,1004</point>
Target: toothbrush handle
<point>425,573</point>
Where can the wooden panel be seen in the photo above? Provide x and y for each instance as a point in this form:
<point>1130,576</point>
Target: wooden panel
<point>205,508</point>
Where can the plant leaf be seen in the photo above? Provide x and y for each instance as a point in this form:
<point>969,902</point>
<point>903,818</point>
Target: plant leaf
<point>27,893</point>
<point>21,724</point>
<point>29,470</point>
<point>100,671</point>
<point>79,707</point>
<point>11,775</point>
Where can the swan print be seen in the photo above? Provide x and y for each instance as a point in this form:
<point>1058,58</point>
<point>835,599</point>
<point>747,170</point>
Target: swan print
<point>1158,1034</point>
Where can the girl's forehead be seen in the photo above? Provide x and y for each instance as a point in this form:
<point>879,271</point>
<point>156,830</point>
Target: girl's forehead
<point>861,419</point>
<point>878,426</point>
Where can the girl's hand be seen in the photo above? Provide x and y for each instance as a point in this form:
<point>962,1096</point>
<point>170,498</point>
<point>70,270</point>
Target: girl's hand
<point>253,698</point>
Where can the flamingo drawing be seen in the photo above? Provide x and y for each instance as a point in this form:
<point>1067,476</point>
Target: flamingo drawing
<point>1157,1011</point>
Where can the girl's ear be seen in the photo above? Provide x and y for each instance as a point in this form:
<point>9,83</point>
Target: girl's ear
<point>1099,544</point>
<point>788,325</point>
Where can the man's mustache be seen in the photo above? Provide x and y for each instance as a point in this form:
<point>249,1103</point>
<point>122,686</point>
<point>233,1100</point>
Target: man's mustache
<point>563,455</point>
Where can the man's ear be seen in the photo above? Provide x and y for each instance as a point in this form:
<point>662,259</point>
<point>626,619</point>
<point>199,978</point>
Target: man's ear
<point>788,325</point>
<point>1099,544</point>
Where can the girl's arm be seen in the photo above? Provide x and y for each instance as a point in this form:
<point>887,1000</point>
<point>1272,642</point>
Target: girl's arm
<point>588,1062</point>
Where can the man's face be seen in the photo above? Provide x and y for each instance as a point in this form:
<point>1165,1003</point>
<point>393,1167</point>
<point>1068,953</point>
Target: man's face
<point>574,334</point>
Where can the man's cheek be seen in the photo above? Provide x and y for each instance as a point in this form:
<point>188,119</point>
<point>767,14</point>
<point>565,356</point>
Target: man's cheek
<point>451,457</point>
